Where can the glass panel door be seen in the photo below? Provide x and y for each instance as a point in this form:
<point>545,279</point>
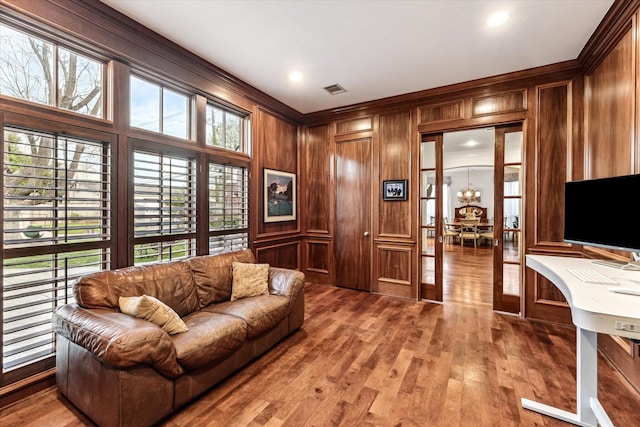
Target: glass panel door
<point>430,218</point>
<point>508,242</point>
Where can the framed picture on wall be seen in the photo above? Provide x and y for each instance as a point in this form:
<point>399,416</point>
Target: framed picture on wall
<point>279,196</point>
<point>394,189</point>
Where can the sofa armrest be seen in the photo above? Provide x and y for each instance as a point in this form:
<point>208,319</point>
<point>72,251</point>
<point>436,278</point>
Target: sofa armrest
<point>118,339</point>
<point>285,282</point>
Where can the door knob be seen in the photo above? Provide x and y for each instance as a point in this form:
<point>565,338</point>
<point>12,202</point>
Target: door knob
<point>366,234</point>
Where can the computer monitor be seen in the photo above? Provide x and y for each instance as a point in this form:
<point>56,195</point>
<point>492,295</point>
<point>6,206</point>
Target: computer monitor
<point>602,213</point>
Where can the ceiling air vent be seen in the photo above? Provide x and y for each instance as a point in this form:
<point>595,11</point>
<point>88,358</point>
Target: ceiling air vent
<point>335,89</point>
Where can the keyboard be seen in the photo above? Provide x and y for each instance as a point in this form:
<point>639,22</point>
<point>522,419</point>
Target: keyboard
<point>591,276</point>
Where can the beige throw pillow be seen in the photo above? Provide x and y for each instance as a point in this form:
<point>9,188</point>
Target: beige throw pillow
<point>249,280</point>
<point>151,309</point>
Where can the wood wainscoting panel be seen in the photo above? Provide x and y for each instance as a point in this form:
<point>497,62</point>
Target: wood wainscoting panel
<point>624,354</point>
<point>553,141</point>
<point>441,113</point>
<point>285,255</point>
<point>394,218</point>
<point>360,124</point>
<point>393,271</point>
<point>551,149</point>
<point>316,173</point>
<point>498,104</point>
<point>609,106</point>
<point>319,258</point>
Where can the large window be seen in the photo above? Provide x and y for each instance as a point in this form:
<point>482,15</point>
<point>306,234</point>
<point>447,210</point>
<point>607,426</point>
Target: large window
<point>56,227</point>
<point>74,202</point>
<point>40,71</point>
<point>165,207</point>
<point>159,109</point>
<point>228,208</point>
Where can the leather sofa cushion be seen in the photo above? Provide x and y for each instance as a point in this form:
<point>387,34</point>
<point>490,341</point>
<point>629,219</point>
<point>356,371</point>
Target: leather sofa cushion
<point>261,313</point>
<point>118,339</point>
<point>211,337</point>
<point>170,282</point>
<point>213,275</point>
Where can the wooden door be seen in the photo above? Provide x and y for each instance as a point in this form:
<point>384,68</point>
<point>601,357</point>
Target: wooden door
<point>507,242</point>
<point>431,219</point>
<point>352,247</point>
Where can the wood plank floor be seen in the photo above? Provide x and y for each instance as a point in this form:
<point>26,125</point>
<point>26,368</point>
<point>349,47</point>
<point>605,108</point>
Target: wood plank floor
<point>369,360</point>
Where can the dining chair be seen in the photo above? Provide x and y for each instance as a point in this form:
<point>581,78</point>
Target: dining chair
<point>469,230</point>
<point>486,234</point>
<point>449,233</point>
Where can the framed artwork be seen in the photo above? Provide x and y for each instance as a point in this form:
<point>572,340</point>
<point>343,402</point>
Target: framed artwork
<point>279,196</point>
<point>394,189</point>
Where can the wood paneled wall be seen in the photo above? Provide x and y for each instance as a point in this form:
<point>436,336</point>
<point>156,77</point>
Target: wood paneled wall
<point>318,199</point>
<point>612,126</point>
<point>394,266</point>
<point>577,125</point>
<point>611,99</point>
<point>275,147</point>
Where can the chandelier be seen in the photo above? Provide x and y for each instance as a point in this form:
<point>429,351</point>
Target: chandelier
<point>469,194</point>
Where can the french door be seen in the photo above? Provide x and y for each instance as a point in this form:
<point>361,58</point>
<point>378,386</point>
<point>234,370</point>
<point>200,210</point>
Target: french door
<point>508,241</point>
<point>506,253</point>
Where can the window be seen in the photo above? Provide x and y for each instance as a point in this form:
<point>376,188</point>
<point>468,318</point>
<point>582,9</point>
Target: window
<point>56,227</point>
<point>228,208</point>
<point>159,109</point>
<point>225,129</point>
<point>29,66</point>
<point>165,207</point>
<point>62,184</point>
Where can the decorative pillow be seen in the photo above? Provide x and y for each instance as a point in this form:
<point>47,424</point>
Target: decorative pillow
<point>249,280</point>
<point>149,308</point>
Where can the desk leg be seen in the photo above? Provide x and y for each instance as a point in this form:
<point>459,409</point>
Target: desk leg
<point>589,411</point>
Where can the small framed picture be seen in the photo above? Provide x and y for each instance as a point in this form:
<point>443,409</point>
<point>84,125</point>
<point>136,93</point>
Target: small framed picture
<point>279,196</point>
<point>394,189</point>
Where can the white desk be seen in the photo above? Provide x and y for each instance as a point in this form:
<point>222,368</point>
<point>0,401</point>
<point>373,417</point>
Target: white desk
<point>594,309</point>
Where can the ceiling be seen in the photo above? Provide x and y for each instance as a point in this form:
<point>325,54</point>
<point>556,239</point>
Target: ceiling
<point>372,48</point>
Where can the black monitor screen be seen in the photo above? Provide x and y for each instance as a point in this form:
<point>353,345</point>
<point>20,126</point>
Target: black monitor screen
<point>597,212</point>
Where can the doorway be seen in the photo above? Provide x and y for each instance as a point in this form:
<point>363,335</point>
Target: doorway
<point>468,168</point>
<point>479,171</point>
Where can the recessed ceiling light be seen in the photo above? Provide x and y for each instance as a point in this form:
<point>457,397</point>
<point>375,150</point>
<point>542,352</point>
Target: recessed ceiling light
<point>295,76</point>
<point>498,19</point>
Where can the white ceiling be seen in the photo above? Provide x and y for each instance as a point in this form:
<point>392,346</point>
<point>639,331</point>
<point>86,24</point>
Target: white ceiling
<point>373,48</point>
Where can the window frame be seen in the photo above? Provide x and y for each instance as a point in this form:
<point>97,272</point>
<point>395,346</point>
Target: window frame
<point>229,231</point>
<point>47,35</point>
<point>163,85</point>
<point>106,245</point>
<point>190,237</point>
<point>114,124</point>
<point>245,121</point>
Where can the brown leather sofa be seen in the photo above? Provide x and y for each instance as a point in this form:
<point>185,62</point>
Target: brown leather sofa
<point>121,370</point>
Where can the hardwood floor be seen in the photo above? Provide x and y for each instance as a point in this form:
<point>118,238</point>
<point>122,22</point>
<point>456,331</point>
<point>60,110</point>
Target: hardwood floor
<point>369,360</point>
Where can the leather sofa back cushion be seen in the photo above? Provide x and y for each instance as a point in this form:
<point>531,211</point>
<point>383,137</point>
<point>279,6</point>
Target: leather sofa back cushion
<point>170,282</point>
<point>213,275</point>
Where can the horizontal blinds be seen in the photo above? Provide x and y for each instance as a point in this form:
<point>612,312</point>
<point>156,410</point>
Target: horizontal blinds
<point>33,287</point>
<point>56,190</point>
<point>164,205</point>
<point>228,208</point>
<point>56,202</point>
